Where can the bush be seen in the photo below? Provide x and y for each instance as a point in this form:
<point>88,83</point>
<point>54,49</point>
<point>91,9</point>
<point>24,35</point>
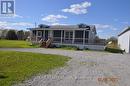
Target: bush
<point>113,50</point>
<point>52,46</point>
<point>69,47</point>
<point>2,75</point>
<point>86,49</point>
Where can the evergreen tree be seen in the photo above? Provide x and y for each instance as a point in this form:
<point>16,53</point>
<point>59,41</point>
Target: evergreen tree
<point>11,35</point>
<point>20,35</point>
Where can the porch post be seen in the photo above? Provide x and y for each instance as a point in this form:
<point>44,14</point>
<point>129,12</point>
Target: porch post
<point>84,37</point>
<point>31,35</point>
<point>64,35</point>
<point>44,34</point>
<point>61,35</point>
<point>36,35</point>
<point>73,37</point>
<point>89,37</point>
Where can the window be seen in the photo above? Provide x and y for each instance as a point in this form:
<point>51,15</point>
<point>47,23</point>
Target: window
<point>34,32</point>
<point>78,34</point>
<point>86,34</point>
<point>39,33</point>
<point>71,34</point>
<point>68,35</point>
<point>57,33</point>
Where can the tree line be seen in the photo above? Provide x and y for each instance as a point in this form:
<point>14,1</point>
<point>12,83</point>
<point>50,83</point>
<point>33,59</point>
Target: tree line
<point>14,35</point>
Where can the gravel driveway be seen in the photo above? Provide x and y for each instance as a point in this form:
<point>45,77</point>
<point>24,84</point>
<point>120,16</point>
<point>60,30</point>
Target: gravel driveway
<point>86,68</point>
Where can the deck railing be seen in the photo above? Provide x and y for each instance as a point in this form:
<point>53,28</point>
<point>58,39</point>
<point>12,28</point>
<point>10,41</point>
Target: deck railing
<point>77,41</point>
<point>73,41</point>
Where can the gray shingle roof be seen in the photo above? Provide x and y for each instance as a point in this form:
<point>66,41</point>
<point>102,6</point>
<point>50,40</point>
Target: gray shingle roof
<point>66,27</point>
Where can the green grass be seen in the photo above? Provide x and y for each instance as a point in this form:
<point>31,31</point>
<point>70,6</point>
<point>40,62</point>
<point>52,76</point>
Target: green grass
<point>18,66</point>
<point>15,44</point>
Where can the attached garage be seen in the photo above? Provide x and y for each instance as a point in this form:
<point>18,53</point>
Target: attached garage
<point>124,40</point>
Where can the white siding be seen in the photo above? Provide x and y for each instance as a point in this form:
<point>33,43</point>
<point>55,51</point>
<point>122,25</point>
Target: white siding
<point>124,41</point>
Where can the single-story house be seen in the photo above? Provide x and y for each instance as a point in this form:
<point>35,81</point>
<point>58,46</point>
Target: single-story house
<point>124,40</point>
<point>82,35</point>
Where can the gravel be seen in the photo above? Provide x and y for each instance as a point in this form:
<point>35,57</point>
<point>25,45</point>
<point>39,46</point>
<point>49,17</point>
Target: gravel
<point>86,68</point>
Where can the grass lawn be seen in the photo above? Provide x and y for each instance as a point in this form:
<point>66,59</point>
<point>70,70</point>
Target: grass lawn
<point>15,44</point>
<point>19,66</point>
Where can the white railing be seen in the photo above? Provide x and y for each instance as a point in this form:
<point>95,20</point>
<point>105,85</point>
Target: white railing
<point>72,41</point>
<point>76,41</point>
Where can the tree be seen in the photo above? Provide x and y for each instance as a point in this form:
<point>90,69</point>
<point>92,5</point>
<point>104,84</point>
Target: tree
<point>43,26</point>
<point>26,35</point>
<point>97,39</point>
<point>4,33</point>
<point>82,25</point>
<point>112,39</point>
<point>112,42</point>
<point>11,35</point>
<point>20,35</point>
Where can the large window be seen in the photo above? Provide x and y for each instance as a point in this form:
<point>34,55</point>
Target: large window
<point>68,35</point>
<point>86,34</point>
<point>78,34</point>
<point>57,33</point>
<point>34,32</point>
<point>39,33</point>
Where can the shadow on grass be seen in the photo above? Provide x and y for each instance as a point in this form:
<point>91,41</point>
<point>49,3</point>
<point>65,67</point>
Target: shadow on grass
<point>3,76</point>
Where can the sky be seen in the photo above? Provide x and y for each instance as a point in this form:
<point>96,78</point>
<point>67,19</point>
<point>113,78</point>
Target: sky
<point>109,16</point>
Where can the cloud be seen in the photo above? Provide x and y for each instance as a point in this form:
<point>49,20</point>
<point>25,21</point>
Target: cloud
<point>122,22</point>
<point>14,25</point>
<point>99,31</point>
<point>17,16</point>
<point>125,23</point>
<point>58,24</point>
<point>22,24</point>
<point>14,16</point>
<point>3,23</point>
<point>55,24</point>
<point>78,8</point>
<point>102,27</point>
<point>53,18</point>
<point>113,28</point>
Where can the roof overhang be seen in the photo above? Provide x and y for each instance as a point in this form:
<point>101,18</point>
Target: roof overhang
<point>124,31</point>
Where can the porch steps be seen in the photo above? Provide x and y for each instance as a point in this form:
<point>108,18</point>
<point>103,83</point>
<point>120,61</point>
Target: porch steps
<point>45,44</point>
<point>48,42</point>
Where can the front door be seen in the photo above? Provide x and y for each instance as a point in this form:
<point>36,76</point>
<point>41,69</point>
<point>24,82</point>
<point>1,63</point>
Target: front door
<point>68,36</point>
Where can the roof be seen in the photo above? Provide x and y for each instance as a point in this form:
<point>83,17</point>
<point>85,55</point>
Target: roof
<point>124,31</point>
<point>66,27</point>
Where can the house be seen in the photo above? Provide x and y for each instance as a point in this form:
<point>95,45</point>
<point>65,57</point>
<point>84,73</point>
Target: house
<point>82,35</point>
<point>124,40</point>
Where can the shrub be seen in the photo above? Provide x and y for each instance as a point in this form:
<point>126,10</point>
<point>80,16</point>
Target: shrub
<point>2,75</point>
<point>86,49</point>
<point>52,46</point>
<point>69,47</point>
<point>113,50</point>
